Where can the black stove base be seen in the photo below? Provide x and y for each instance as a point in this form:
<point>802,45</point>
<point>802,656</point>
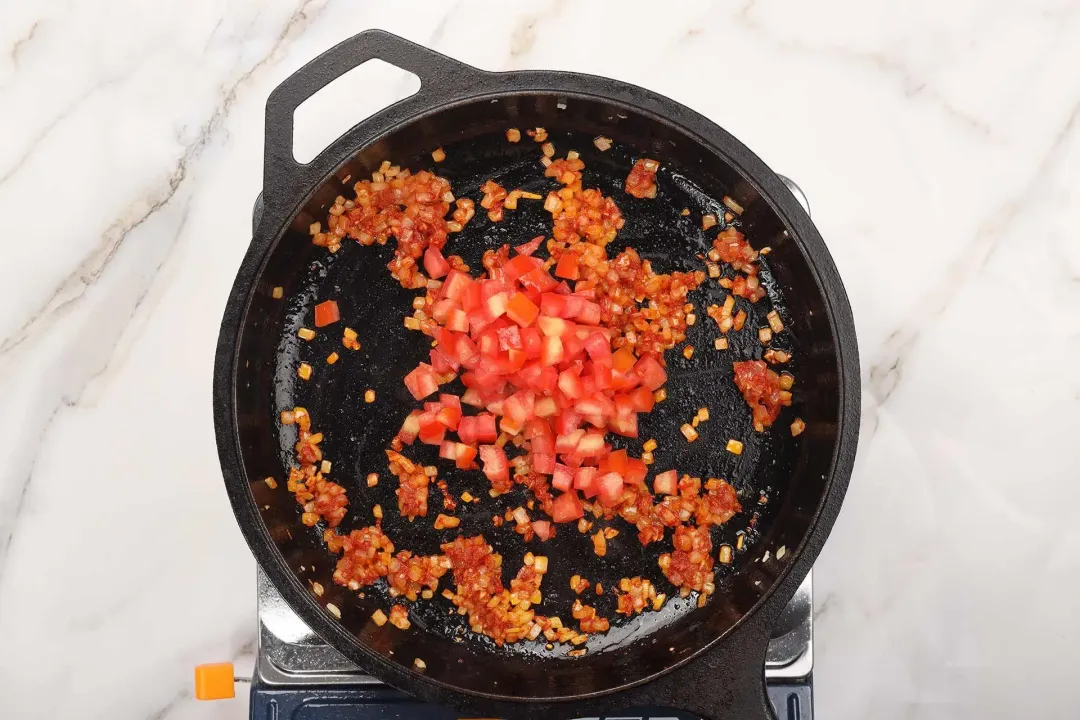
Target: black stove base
<point>791,702</point>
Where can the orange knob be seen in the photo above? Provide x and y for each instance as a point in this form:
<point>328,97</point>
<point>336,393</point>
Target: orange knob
<point>215,681</point>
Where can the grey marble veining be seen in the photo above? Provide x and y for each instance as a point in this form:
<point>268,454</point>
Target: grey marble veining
<point>939,144</point>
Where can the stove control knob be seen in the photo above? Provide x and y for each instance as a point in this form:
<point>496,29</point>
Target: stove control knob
<point>215,681</point>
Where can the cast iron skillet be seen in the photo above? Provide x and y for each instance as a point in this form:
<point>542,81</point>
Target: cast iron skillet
<point>706,661</point>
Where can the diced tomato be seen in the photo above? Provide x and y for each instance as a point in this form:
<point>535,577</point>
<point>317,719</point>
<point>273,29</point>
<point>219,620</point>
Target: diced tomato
<point>432,431</point>
<point>597,421</point>
<point>666,483</point>
<point>543,463</point>
<point>554,327</point>
<point>485,428</point>
<point>508,425</point>
<point>509,338</point>
<point>590,315</point>
<point>585,480</point>
<point>466,429</point>
<point>530,247</point>
<point>496,305</point>
<point>553,305</point>
<point>457,320</point>
<point>458,346</point>
<point>552,351</point>
<point>573,346</point>
<point>626,425</point>
<point>567,422</point>
<point>530,342</point>
<point>489,288</point>
<point>567,266</point>
<point>448,450</point>
<point>487,341</point>
<point>623,360</point>
<point>599,348</point>
<point>624,405</point>
<point>568,443</point>
<point>573,306</point>
<point>435,263</point>
<point>563,477</point>
<point>610,488</point>
<point>455,286</point>
<point>636,470</point>
<point>538,279</point>
<point>642,399</point>
<point>518,266</point>
<point>326,313</point>
<point>410,428</point>
<point>480,318</point>
<point>570,384</point>
<point>521,309</point>
<point>465,456</point>
<point>543,530</point>
<point>421,382</point>
<point>442,363</point>
<point>546,407</point>
<point>471,298</point>
<point>449,400</point>
<point>624,380</point>
<point>449,417</point>
<point>548,379</point>
<point>651,372</point>
<point>441,310</point>
<point>486,378</point>
<point>567,508</point>
<point>601,375</point>
<point>496,467</point>
<point>511,362</point>
<point>520,407</point>
<point>538,433</point>
<point>596,404</point>
<point>616,462</point>
<point>591,444</point>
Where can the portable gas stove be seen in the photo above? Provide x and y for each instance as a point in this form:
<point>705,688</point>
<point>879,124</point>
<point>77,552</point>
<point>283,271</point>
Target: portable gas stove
<point>297,676</point>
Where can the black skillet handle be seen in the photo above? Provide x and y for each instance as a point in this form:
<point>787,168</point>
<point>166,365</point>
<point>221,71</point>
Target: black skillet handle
<point>441,79</point>
<point>726,683</point>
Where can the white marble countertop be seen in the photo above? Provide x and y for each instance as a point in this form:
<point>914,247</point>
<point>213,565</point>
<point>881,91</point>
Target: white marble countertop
<point>939,144</point>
